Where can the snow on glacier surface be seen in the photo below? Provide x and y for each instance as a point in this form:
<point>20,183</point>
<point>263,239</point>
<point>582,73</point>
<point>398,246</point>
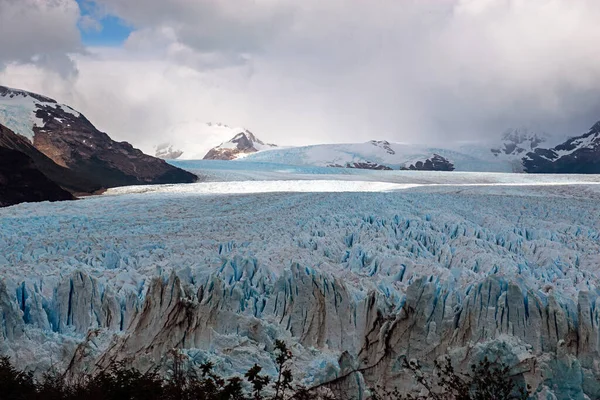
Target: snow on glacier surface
<point>543,234</point>
<point>220,171</point>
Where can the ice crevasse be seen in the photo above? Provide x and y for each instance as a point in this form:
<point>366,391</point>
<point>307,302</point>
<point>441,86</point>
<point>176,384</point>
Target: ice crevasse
<point>355,282</point>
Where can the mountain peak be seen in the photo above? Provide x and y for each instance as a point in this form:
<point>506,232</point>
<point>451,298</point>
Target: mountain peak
<point>246,138</point>
<point>27,113</point>
<point>595,128</point>
<point>188,142</point>
<point>12,93</point>
<point>241,144</point>
<point>516,142</point>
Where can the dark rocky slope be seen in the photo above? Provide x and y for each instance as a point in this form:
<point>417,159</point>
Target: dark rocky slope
<point>64,177</point>
<point>578,155</point>
<point>21,181</point>
<point>433,163</point>
<point>72,142</point>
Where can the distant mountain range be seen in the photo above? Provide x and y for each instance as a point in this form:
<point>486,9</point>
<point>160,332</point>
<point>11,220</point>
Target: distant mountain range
<point>70,151</point>
<point>66,148</point>
<point>375,154</point>
<point>518,150</point>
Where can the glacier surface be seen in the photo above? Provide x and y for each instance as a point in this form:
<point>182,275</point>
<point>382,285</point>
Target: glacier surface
<point>356,271</point>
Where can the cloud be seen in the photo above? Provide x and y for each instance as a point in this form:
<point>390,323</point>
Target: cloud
<point>209,25</point>
<point>87,23</point>
<point>39,31</point>
<point>342,70</point>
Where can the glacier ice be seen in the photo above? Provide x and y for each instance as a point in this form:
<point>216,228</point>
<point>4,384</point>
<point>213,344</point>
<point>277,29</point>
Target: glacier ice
<point>355,281</point>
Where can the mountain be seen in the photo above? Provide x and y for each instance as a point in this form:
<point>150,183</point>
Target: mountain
<point>188,148</point>
<point>21,181</point>
<point>384,155</point>
<point>518,142</point>
<point>434,163</point>
<point>94,161</point>
<point>577,155</point>
<point>65,177</point>
<point>241,144</point>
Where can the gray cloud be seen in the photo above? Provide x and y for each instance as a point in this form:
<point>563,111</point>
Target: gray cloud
<point>40,32</point>
<point>208,25</point>
<point>345,70</point>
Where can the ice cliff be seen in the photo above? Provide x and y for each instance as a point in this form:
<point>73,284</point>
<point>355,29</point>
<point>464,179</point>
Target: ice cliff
<point>356,282</point>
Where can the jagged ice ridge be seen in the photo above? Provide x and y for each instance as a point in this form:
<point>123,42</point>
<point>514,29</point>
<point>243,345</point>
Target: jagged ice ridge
<point>354,281</point>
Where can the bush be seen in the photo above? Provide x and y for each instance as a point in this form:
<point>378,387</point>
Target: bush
<point>487,381</point>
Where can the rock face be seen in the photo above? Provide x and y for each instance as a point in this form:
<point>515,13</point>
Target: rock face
<point>243,143</point>
<point>21,181</point>
<point>518,142</point>
<point>167,151</point>
<point>363,165</point>
<point>68,139</point>
<point>434,163</point>
<point>578,155</point>
<point>62,176</point>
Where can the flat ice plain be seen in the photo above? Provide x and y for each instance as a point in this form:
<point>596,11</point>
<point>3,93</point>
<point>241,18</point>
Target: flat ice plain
<point>380,265</point>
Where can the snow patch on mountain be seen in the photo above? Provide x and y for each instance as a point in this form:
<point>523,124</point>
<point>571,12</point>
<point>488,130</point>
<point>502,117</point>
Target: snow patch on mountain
<point>580,154</point>
<point>18,109</point>
<point>518,142</point>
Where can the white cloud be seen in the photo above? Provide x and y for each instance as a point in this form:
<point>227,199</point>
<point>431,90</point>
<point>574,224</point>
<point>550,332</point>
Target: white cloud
<point>318,71</point>
<point>39,31</point>
<point>87,23</point>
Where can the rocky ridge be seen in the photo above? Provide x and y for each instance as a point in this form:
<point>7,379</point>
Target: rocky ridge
<point>577,155</point>
<point>67,138</point>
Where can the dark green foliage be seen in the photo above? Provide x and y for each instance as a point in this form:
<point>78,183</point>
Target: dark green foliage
<point>284,374</point>
<point>15,385</point>
<point>487,381</point>
<point>259,382</point>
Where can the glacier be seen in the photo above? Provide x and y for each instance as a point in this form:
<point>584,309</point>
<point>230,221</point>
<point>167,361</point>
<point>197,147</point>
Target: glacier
<point>355,270</point>
<point>465,156</point>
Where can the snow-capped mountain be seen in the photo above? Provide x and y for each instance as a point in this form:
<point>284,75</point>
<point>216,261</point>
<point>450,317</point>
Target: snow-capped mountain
<point>381,154</point>
<point>25,112</point>
<point>239,146</point>
<point>183,143</point>
<point>66,137</point>
<point>518,142</point>
<point>577,155</point>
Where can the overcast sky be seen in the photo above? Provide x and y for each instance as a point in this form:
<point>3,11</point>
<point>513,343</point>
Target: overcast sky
<point>310,71</point>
